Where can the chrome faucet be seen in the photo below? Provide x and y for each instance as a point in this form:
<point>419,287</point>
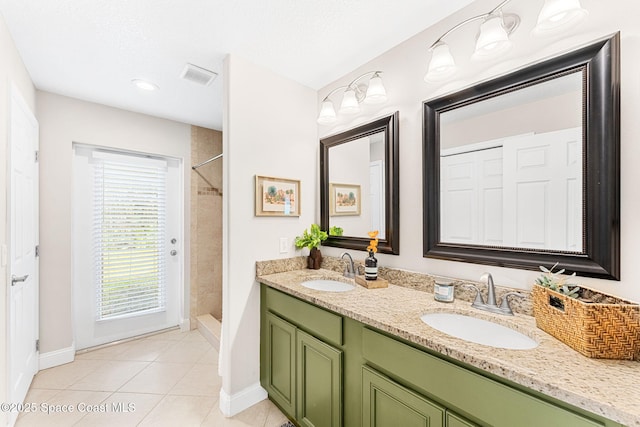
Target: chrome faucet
<point>491,304</point>
<point>491,290</point>
<point>349,270</point>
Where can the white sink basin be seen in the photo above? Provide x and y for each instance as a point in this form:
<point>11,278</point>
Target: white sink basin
<point>478,331</point>
<point>328,285</point>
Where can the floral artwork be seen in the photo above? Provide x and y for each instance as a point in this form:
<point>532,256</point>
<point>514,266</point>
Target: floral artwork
<point>277,197</point>
<point>345,199</point>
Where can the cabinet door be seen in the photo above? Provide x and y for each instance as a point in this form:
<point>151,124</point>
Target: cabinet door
<point>388,404</point>
<point>454,420</point>
<point>319,383</point>
<point>280,361</point>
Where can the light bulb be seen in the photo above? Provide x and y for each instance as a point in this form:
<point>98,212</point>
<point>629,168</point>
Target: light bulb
<point>144,85</point>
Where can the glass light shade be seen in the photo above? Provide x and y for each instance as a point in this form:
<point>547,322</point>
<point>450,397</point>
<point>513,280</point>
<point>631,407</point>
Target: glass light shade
<point>327,113</point>
<point>349,103</point>
<point>376,93</point>
<point>441,65</point>
<point>492,39</point>
<point>557,15</point>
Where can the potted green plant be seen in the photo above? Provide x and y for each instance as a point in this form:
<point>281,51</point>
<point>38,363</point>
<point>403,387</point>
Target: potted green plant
<point>311,240</point>
<point>336,231</point>
<point>556,282</point>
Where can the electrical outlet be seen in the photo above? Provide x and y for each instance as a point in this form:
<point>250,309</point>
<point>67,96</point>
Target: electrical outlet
<point>284,245</point>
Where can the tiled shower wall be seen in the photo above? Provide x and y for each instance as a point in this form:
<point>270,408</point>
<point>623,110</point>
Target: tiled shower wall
<point>206,225</point>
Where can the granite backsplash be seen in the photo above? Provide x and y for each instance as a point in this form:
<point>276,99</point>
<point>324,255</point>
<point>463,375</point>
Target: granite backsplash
<point>418,281</point>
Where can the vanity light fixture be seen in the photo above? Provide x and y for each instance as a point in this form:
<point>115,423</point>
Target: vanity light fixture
<point>352,95</point>
<point>493,35</point>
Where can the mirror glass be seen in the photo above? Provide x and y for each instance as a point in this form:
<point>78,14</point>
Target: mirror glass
<point>523,171</point>
<point>516,180</point>
<point>357,186</point>
<point>359,190</point>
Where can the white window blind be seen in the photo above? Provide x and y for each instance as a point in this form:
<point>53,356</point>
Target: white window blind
<point>129,235</point>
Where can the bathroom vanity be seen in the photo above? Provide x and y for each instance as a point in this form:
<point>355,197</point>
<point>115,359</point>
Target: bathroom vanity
<point>364,357</point>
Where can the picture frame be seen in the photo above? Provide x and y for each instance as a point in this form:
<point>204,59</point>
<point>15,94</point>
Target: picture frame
<point>277,196</point>
<point>344,199</point>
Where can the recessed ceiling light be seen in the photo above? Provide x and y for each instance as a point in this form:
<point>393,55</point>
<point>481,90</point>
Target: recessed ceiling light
<point>144,84</point>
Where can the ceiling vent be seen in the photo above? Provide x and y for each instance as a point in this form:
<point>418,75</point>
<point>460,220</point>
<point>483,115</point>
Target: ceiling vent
<point>198,75</point>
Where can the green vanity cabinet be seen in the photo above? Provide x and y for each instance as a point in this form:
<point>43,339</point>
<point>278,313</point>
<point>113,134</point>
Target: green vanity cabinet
<point>280,362</point>
<point>453,420</point>
<point>478,398</point>
<point>387,403</point>
<point>302,373</point>
<point>323,369</point>
<point>319,375</point>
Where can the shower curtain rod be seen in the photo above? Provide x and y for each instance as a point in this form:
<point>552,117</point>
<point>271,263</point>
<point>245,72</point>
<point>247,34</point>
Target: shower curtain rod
<point>207,161</point>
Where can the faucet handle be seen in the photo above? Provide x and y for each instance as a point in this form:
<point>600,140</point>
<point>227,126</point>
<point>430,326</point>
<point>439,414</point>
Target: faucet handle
<point>478,301</point>
<point>504,305</point>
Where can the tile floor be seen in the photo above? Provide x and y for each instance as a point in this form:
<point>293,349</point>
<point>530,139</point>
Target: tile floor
<point>169,379</point>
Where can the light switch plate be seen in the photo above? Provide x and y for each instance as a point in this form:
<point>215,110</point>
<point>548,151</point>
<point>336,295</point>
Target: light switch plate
<point>284,245</point>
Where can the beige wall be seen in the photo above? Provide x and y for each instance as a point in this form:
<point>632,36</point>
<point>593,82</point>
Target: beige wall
<point>404,67</point>
<point>206,224</point>
<point>269,129</point>
<point>509,122</point>
<point>12,70</point>
<point>64,121</point>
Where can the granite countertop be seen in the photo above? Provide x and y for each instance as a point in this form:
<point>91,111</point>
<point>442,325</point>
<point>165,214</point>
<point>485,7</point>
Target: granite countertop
<point>610,388</point>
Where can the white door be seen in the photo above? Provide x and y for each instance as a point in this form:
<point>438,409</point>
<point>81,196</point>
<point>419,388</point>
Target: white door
<point>127,245</point>
<point>543,174</point>
<point>471,195</point>
<point>23,217</point>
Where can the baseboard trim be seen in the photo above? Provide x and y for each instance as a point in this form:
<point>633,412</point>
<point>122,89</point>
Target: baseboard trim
<point>57,357</point>
<point>231,405</point>
<point>185,325</point>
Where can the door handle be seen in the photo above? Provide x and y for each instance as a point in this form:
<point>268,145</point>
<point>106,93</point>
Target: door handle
<point>15,279</point>
<point>173,252</point>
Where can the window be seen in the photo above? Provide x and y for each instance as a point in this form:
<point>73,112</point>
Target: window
<point>129,235</point>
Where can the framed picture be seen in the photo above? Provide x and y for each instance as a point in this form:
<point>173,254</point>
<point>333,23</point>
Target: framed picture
<point>277,196</point>
<point>344,199</point>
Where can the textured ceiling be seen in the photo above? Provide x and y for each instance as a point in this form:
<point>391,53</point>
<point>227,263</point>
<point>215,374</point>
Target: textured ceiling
<point>92,49</point>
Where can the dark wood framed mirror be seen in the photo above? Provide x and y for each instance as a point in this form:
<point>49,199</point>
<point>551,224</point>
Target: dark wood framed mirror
<point>524,170</point>
<point>359,186</point>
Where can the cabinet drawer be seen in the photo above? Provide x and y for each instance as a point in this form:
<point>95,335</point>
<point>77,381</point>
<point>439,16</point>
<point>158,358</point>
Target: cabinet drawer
<point>479,398</point>
<point>319,322</point>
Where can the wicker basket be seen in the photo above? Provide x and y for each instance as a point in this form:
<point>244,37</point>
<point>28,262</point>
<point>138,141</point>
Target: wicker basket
<point>603,331</point>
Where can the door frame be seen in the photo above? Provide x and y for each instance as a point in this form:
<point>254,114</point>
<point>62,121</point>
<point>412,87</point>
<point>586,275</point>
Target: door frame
<point>183,291</point>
